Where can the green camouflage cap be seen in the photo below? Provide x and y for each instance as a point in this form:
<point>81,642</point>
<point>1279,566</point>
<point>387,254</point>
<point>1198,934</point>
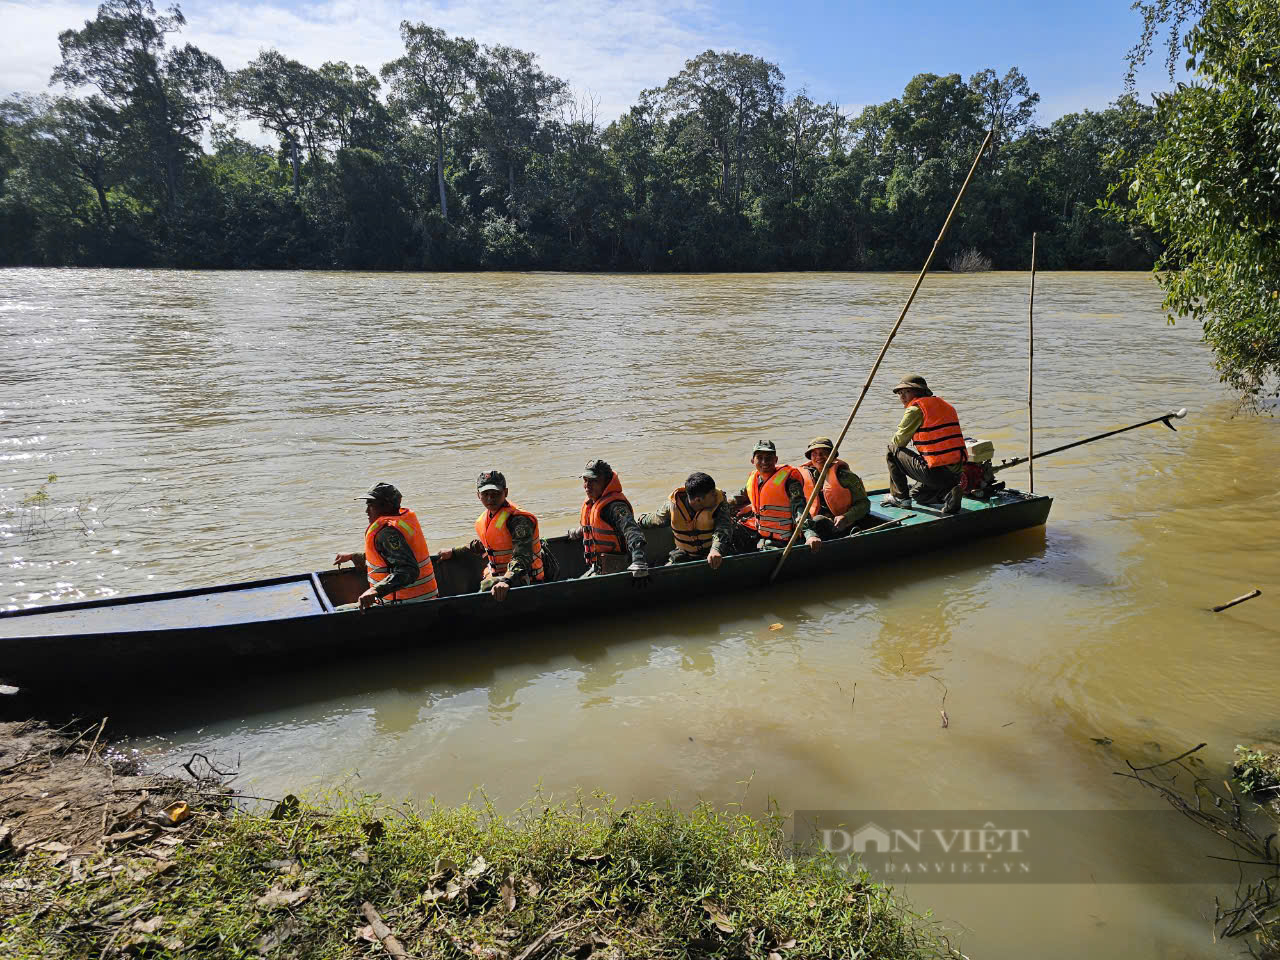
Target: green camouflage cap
<point>765,446</point>
<point>491,480</point>
<point>382,493</point>
<point>597,470</point>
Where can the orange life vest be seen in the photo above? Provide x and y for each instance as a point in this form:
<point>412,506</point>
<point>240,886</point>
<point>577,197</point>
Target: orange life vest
<point>771,504</point>
<point>598,536</point>
<point>493,531</point>
<point>835,498</point>
<point>424,587</point>
<point>939,439</point>
<point>693,532</point>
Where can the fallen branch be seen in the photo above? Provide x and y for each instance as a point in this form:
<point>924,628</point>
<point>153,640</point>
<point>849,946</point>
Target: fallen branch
<point>1231,603</point>
<point>555,933</point>
<point>383,932</point>
<point>94,745</point>
<point>942,707</point>
<point>222,773</point>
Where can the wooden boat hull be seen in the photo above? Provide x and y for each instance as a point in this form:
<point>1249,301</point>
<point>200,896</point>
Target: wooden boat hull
<point>294,618</point>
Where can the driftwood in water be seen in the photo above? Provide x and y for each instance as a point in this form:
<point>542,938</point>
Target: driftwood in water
<point>1231,603</point>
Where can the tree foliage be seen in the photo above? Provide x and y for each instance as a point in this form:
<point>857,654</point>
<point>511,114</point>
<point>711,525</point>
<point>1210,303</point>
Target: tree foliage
<point>474,156</point>
<point>1210,187</point>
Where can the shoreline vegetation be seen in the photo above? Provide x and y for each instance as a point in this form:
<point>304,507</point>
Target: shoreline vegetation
<point>458,155</point>
<point>98,860</point>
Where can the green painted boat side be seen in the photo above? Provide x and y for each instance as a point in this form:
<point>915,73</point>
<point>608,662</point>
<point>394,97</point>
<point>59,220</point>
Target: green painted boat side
<point>294,617</point>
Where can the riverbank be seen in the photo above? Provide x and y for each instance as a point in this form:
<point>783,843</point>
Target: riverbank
<point>99,860</point>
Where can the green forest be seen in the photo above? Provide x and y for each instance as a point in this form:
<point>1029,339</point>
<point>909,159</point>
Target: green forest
<point>460,155</point>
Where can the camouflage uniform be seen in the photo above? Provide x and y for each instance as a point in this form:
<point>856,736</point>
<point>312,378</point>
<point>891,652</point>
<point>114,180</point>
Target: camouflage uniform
<point>745,539</point>
<point>721,535</point>
<point>396,551</point>
<point>619,516</point>
<point>519,571</point>
<point>823,522</point>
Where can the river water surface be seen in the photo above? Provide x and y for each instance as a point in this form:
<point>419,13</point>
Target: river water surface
<point>210,427</point>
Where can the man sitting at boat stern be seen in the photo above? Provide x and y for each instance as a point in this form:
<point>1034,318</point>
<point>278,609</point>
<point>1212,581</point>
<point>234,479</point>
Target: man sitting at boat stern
<point>396,557</point>
<point>843,501</point>
<point>700,520</point>
<point>612,541</point>
<point>933,426</point>
<point>508,537</point>
<point>776,496</point>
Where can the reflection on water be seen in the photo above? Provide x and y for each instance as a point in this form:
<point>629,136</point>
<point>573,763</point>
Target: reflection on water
<point>228,420</point>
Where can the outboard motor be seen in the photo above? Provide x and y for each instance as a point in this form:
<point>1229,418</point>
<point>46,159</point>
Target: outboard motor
<point>977,479</point>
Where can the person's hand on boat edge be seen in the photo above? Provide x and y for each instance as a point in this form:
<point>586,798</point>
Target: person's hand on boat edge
<point>368,598</point>
<point>500,590</point>
<point>342,558</point>
<point>714,558</point>
<point>574,533</point>
<point>813,543</point>
<point>640,573</point>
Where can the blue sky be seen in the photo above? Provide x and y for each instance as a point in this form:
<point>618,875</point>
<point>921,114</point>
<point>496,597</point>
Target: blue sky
<point>852,53</point>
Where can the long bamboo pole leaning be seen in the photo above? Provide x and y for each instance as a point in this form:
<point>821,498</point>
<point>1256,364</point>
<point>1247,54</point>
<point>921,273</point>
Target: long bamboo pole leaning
<point>1031,349</point>
<point>835,450</point>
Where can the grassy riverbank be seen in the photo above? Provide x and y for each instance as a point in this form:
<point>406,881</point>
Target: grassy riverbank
<point>294,879</point>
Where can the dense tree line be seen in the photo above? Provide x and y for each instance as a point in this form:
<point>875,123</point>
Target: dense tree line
<point>459,155</point>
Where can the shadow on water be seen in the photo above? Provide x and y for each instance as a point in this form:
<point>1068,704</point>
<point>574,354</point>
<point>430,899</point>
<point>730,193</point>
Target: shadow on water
<point>594,652</point>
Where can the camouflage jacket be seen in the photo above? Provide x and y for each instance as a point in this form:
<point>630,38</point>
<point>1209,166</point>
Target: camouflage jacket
<point>795,491</point>
<point>721,535</point>
<point>396,551</point>
<point>847,479</point>
<point>521,564</point>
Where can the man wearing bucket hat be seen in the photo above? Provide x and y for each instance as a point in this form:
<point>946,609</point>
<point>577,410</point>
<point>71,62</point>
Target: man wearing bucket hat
<point>843,500</point>
<point>776,495</point>
<point>396,557</point>
<point>507,536</point>
<point>933,426</point>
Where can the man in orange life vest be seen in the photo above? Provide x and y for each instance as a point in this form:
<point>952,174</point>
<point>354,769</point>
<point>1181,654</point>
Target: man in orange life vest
<point>843,500</point>
<point>395,556</point>
<point>934,427</point>
<point>776,495</point>
<point>609,531</point>
<point>508,537</point>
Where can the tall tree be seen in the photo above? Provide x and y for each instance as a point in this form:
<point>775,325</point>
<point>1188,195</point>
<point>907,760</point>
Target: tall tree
<point>727,100</point>
<point>430,82</point>
<point>1008,104</point>
<point>354,116</point>
<point>516,97</point>
<point>164,97</point>
<point>285,97</point>
<point>937,117</point>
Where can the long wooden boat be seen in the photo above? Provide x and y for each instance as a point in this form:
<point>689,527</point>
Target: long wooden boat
<point>297,618</point>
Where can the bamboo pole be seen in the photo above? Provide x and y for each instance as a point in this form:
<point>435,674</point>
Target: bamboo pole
<point>835,450</point>
<point>1164,418</point>
<point>1031,349</point>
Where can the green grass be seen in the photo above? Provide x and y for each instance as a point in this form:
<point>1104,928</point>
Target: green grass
<point>1256,771</point>
<point>648,881</point>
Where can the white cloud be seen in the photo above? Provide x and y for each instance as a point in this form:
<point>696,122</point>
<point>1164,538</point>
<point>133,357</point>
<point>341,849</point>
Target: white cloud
<point>610,48</point>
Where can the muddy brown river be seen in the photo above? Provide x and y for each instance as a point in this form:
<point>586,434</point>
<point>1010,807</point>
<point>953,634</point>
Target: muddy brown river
<point>211,427</point>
